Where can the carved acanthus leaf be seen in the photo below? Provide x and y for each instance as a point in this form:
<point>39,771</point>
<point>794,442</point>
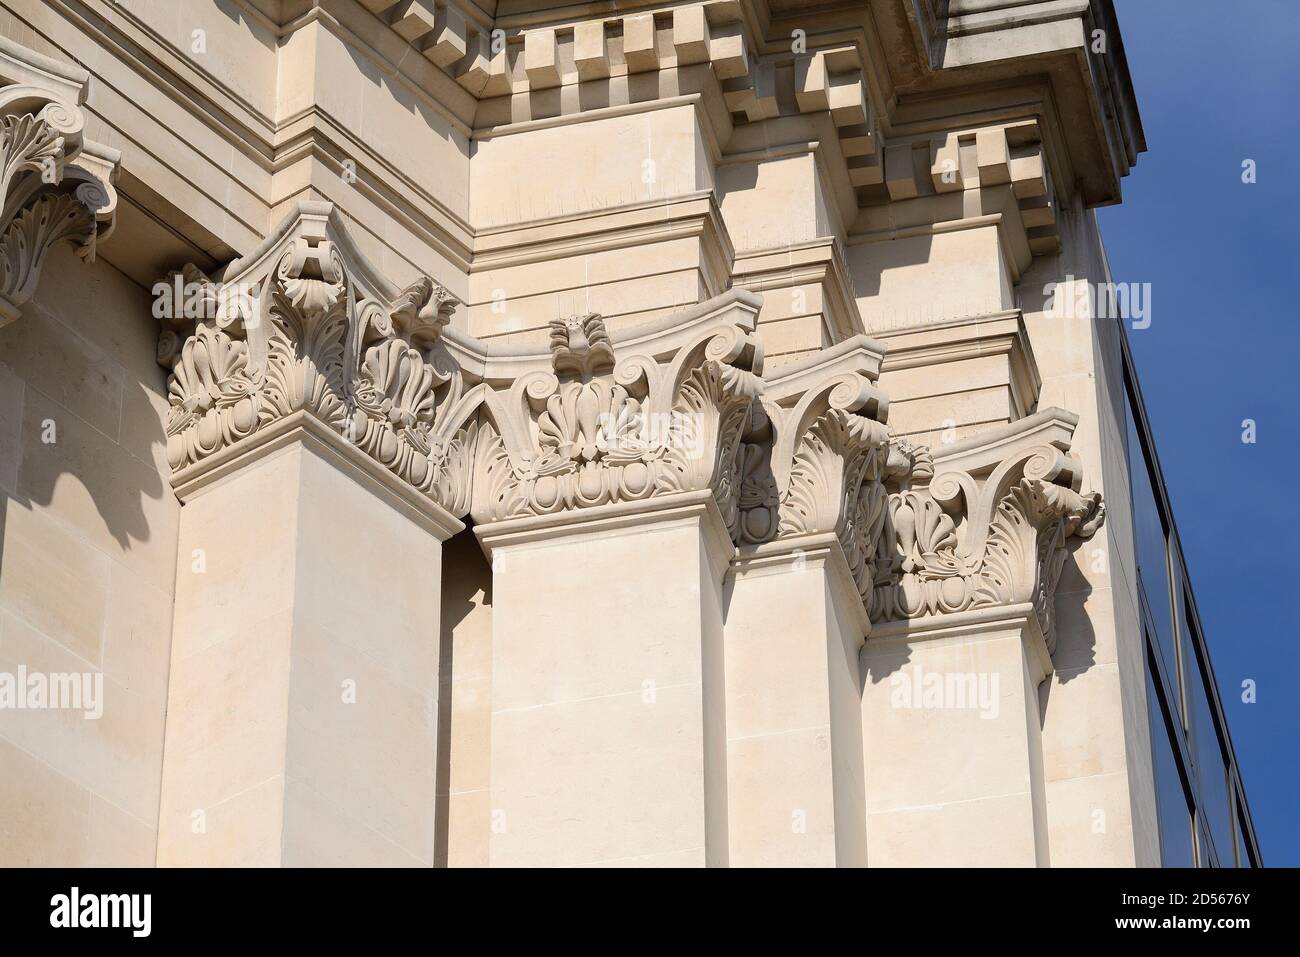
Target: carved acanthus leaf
<point>40,137</point>
<point>298,332</point>
<point>53,218</point>
<point>956,542</point>
<point>595,430</point>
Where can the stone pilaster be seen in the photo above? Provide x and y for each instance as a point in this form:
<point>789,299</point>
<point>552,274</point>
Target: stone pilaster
<point>796,619</point>
<point>302,718</point>
<point>607,491</point>
<point>964,612</point>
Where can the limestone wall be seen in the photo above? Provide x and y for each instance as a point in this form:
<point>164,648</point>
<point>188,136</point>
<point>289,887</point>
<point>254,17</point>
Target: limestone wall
<point>87,567</point>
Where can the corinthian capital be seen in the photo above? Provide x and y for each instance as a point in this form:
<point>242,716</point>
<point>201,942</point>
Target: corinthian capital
<point>617,418</point>
<point>305,325</point>
<point>815,456</point>
<point>984,522</point>
<point>48,194</point>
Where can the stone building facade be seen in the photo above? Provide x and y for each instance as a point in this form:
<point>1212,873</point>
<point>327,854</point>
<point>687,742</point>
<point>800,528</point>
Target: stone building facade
<point>661,432</point>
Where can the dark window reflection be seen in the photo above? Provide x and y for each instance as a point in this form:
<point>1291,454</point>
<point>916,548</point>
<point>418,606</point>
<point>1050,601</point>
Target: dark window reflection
<point>1173,812</point>
<point>1149,539</point>
<point>1210,771</point>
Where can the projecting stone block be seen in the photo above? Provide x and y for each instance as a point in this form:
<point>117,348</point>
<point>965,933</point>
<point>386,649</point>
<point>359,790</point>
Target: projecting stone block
<point>1028,176</point>
<point>589,54</point>
<point>900,178</point>
<point>540,60</point>
<point>448,42</point>
<point>848,99</point>
<point>866,171</point>
<point>991,156</point>
<point>472,73</point>
<point>690,35</point>
<point>639,43</point>
<point>945,164</point>
<point>857,140</point>
<point>728,52</point>
<point>412,18</point>
<point>810,83</point>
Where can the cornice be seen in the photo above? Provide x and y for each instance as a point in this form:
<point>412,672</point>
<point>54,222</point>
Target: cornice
<point>980,49</point>
<point>1001,171</point>
<point>133,40</point>
<point>844,42</point>
<point>65,81</point>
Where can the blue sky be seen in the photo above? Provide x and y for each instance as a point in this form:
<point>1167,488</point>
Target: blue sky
<point>1218,84</point>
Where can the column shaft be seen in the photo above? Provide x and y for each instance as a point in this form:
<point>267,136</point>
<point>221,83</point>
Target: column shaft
<point>303,703</point>
<point>953,740</point>
<point>608,731</point>
<point>794,633</point>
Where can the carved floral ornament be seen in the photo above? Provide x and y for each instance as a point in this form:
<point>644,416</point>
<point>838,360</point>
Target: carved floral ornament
<point>305,325</point>
<point>960,540</point>
<point>44,197</point>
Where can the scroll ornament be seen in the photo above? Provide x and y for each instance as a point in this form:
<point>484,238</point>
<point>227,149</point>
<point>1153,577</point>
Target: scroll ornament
<point>818,467</point>
<point>953,542</point>
<point>43,200</point>
<point>596,429</point>
<point>305,337</point>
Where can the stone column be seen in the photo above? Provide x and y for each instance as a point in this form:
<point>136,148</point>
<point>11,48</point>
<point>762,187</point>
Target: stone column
<point>794,735</point>
<point>305,392</point>
<point>950,723</point>
<point>812,502</point>
<point>964,630</point>
<point>606,495</point>
<point>608,732</point>
<point>303,703</point>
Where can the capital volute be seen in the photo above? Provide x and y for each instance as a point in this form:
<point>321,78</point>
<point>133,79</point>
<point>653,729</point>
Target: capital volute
<point>984,522</point>
<point>613,418</point>
<point>55,186</point>
<point>305,325</point>
<point>815,455</point>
